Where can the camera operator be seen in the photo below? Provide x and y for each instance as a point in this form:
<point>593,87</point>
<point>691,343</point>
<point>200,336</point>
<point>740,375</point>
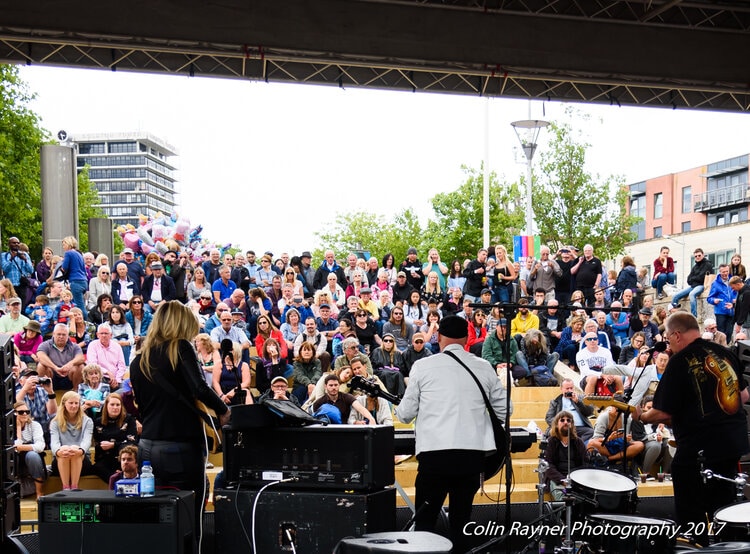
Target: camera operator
<point>37,393</point>
<point>570,401</point>
<point>17,267</point>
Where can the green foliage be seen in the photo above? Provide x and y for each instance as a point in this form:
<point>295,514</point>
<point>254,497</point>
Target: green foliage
<point>88,198</point>
<point>368,231</point>
<point>21,138</point>
<point>572,206</point>
<point>457,227</point>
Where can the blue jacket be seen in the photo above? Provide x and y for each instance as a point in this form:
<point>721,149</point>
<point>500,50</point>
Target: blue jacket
<point>145,321</point>
<point>720,294</point>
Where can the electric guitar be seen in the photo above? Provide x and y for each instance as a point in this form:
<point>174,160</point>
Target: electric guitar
<point>604,401</point>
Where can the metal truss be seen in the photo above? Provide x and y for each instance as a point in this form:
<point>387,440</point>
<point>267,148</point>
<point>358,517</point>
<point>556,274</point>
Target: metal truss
<point>728,15</point>
<point>35,47</point>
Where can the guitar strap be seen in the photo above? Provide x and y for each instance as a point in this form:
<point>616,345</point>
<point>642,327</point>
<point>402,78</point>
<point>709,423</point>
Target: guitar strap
<point>494,420</point>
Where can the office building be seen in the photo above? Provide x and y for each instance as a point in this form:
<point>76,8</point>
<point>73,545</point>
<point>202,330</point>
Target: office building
<point>133,172</point>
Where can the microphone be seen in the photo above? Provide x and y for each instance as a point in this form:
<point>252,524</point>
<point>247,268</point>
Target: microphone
<point>660,346</point>
<point>226,348</point>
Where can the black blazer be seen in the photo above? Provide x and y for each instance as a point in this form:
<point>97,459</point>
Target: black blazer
<point>116,288</point>
<point>168,290</point>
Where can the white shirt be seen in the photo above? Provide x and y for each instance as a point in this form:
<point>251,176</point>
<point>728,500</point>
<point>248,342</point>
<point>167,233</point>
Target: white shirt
<point>447,404</point>
<point>587,361</point>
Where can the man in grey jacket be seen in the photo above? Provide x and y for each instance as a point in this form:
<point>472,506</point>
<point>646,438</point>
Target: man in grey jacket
<point>450,443</point>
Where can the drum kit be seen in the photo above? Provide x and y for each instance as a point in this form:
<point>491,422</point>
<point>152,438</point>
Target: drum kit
<point>600,517</point>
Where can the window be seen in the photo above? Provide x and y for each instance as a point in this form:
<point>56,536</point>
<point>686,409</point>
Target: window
<point>638,209</point>
<point>686,226</point>
<point>657,232</point>
<point>91,148</point>
<point>729,216</point>
<point>687,196</point>
<point>658,205</point>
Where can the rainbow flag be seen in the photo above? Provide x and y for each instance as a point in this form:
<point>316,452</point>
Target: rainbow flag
<point>525,246</point>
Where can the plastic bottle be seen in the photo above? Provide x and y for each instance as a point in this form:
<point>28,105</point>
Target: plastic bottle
<point>147,480</point>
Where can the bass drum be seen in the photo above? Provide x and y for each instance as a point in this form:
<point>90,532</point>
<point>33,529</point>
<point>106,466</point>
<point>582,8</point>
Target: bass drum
<point>604,491</point>
<point>732,523</point>
<point>626,534</point>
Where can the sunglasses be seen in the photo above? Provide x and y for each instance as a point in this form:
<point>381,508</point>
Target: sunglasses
<point>105,272</point>
<point>23,412</point>
<point>387,340</point>
<point>418,341</point>
<point>591,340</point>
<point>566,419</point>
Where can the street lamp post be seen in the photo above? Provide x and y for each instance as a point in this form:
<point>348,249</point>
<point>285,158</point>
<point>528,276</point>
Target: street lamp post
<point>527,131</point>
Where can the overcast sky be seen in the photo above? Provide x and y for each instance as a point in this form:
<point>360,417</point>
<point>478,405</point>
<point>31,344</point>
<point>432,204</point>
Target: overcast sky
<point>264,165</point>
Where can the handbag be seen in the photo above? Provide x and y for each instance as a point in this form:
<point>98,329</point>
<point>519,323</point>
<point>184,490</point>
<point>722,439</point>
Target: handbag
<point>495,459</point>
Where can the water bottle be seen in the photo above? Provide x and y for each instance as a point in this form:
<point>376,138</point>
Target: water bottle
<point>147,480</point>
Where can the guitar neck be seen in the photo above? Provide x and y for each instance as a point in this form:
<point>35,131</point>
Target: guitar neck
<point>605,401</point>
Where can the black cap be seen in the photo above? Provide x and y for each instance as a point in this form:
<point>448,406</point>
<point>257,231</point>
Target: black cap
<point>454,327</point>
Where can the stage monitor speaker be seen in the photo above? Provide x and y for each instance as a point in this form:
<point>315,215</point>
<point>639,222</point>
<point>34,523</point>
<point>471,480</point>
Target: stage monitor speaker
<point>93,521</point>
<point>316,521</point>
<point>6,355</point>
<point>419,542</point>
<point>10,507</point>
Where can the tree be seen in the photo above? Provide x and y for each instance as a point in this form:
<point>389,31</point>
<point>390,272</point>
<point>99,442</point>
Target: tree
<point>371,232</point>
<point>21,138</point>
<point>573,207</point>
<point>457,227</point>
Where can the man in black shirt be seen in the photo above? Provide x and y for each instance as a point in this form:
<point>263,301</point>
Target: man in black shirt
<point>701,395</point>
<point>588,272</point>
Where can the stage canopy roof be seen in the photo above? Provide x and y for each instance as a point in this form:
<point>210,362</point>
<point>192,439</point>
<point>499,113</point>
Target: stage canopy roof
<point>670,53</point>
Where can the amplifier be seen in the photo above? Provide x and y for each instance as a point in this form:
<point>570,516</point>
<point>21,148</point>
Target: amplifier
<point>92,520</point>
<point>343,457</point>
<point>284,521</point>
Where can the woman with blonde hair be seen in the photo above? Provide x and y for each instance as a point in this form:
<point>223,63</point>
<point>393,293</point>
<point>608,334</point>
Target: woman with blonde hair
<point>70,441</point>
<point>208,356</point>
<point>74,269</point>
<point>167,379</point>
<point>7,291</point>
<point>101,284</point>
<point>505,276</point>
<point>570,340</point>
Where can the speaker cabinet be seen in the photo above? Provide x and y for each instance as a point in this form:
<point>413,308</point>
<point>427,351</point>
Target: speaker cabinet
<point>315,521</point>
<point>95,521</point>
<point>10,508</point>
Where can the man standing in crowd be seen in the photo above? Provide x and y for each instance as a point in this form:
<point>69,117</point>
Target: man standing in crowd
<point>701,396</point>
<point>722,297</point>
<point>476,276</point>
<point>588,272</point>
<point>413,269</point>
<point>451,444</point>
<point>17,267</point>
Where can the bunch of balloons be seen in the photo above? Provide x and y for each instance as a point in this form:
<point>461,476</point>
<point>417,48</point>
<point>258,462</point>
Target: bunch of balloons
<point>161,234</point>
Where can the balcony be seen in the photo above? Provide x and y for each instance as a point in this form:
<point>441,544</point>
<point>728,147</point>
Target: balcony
<point>721,198</point>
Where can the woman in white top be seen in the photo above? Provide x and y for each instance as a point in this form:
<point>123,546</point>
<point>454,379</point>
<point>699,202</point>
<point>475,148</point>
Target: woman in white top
<point>101,284</point>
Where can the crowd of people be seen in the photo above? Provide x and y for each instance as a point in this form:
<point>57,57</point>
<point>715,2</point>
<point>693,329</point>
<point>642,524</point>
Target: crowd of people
<point>243,326</point>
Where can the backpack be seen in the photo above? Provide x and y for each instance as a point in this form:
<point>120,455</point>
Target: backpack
<point>543,377</point>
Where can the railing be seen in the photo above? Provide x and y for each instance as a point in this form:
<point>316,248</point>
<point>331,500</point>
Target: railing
<point>727,196</point>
